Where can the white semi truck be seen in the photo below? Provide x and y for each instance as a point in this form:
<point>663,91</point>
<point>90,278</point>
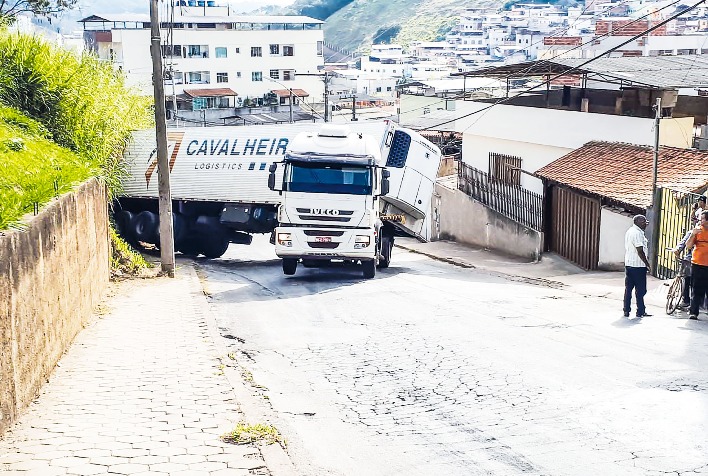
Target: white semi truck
<point>219,182</point>
<point>346,195</point>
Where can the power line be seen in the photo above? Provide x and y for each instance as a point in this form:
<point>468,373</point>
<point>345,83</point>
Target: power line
<point>573,68</point>
<point>565,52</point>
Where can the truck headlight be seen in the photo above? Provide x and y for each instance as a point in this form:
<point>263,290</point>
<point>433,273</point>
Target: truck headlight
<point>362,241</point>
<point>284,239</point>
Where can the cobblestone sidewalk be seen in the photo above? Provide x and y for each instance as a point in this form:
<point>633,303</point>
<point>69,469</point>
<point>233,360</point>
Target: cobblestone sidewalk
<point>140,392</point>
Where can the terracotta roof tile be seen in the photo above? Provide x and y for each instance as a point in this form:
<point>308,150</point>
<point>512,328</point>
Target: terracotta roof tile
<point>284,93</point>
<point>210,92</point>
<point>623,172</point>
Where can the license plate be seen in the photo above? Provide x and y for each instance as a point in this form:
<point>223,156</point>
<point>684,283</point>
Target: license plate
<point>323,239</point>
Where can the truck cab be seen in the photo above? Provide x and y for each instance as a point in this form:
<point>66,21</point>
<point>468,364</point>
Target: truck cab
<point>332,181</point>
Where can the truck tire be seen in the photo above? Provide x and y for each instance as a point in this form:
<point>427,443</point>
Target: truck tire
<point>189,247</point>
<point>214,246</point>
<point>122,220</point>
<point>289,266</point>
<point>385,255</point>
<point>369,268</point>
<point>144,227</point>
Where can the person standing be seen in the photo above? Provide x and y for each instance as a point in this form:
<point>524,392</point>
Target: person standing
<point>636,266</point>
<point>699,264</point>
<point>685,264</point>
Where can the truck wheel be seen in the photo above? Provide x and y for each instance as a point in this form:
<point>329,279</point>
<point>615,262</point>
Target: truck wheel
<point>214,246</point>
<point>145,227</point>
<point>385,255</point>
<point>189,247</point>
<point>369,268</point>
<point>289,266</point>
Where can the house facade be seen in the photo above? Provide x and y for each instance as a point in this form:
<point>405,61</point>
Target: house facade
<point>215,61</point>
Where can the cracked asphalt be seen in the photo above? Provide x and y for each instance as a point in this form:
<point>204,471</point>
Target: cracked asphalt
<point>432,368</point>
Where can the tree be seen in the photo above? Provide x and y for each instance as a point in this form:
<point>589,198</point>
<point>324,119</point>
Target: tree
<point>11,8</point>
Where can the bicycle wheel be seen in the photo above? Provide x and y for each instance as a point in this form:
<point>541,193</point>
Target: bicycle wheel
<point>675,294</point>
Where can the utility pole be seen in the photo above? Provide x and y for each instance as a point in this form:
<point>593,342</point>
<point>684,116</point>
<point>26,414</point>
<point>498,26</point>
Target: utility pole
<point>655,170</point>
<point>326,96</point>
<point>354,119</point>
<point>167,246</point>
<point>291,104</point>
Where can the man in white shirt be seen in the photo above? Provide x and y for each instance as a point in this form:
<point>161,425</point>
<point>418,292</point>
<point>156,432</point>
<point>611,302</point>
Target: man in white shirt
<point>636,266</point>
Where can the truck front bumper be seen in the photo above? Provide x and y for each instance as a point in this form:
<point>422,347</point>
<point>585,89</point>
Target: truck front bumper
<point>325,244</point>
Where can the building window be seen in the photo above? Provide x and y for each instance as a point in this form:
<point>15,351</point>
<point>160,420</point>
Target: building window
<point>256,76</point>
<point>256,51</point>
<point>171,51</point>
<point>238,50</point>
<point>274,74</point>
<point>238,74</point>
<point>197,51</point>
<point>198,77</point>
<point>288,75</point>
<point>220,52</point>
<point>287,51</point>
<point>378,89</point>
<point>222,77</point>
<point>275,49</point>
<point>388,88</point>
<point>320,48</point>
<point>505,168</point>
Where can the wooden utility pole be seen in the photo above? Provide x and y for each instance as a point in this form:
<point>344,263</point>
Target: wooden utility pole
<point>167,246</point>
<point>354,119</point>
<point>291,104</point>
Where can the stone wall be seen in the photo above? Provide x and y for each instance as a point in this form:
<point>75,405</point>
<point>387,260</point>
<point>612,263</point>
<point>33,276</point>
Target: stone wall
<point>52,275</point>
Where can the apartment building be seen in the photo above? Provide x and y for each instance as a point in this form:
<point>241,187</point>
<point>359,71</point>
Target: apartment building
<point>215,61</point>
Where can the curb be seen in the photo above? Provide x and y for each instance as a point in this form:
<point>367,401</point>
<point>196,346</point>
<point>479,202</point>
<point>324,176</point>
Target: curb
<point>275,457</point>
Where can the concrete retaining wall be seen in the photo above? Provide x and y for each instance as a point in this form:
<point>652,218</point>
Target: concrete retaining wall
<point>465,220</point>
<point>52,275</point>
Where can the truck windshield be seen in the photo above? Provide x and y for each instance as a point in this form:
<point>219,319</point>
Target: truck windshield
<point>328,178</point>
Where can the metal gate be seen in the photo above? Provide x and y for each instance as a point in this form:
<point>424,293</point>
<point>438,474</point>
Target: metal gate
<point>575,227</point>
<point>675,209</point>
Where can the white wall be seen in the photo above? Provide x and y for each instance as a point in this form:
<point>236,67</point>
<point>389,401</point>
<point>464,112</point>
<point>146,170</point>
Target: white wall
<point>539,136</point>
<point>132,52</point>
<point>613,226</point>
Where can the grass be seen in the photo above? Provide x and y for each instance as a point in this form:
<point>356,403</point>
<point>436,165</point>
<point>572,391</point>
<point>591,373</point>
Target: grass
<point>33,169</point>
<point>63,119</point>
<point>124,260</point>
<point>245,433</point>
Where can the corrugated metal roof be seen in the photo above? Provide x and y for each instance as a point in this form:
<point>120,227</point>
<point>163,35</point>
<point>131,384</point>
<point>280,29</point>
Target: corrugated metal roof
<point>682,71</point>
<point>668,72</point>
<point>623,172</point>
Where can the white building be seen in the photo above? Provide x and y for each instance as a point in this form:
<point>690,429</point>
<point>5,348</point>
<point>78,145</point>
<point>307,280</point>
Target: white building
<point>218,61</point>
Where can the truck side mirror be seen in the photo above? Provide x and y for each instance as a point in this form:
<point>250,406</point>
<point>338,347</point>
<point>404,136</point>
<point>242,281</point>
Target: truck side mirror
<point>385,186</point>
<point>271,176</point>
<point>385,173</point>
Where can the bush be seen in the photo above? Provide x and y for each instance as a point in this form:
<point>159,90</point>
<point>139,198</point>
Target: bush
<point>81,102</point>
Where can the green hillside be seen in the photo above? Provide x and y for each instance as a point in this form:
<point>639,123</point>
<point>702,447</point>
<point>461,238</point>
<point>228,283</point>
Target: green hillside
<point>362,22</point>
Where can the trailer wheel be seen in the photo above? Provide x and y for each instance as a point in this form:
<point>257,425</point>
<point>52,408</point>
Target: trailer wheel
<point>289,266</point>
<point>369,268</point>
<point>122,220</point>
<point>214,246</point>
<point>385,254</point>
<point>144,226</point>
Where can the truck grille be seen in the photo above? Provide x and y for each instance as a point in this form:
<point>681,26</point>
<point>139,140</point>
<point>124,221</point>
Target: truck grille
<point>323,233</point>
<point>321,245</point>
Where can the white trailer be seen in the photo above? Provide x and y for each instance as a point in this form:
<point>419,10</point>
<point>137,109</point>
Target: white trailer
<point>218,178</point>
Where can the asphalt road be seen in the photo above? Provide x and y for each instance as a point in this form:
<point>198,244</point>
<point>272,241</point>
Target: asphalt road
<point>431,369</point>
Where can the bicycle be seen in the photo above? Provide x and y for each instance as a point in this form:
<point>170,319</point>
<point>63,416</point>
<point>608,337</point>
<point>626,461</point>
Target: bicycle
<point>674,296</point>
